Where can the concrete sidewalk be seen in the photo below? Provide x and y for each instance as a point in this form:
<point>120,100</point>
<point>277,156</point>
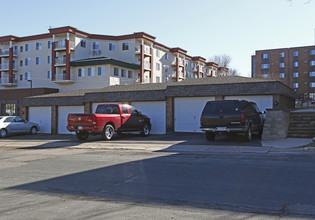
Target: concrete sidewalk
<point>287,142</point>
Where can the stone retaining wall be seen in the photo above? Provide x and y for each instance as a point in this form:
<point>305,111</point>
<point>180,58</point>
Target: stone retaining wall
<point>276,124</point>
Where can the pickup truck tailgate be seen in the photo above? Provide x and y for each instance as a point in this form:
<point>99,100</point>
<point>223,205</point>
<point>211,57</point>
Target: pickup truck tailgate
<point>216,120</point>
<point>81,119</point>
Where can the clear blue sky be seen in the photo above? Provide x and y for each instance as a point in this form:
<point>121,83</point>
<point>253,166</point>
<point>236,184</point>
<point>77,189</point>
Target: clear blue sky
<point>202,27</point>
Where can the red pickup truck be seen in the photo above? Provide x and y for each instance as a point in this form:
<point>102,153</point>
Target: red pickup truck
<point>109,119</point>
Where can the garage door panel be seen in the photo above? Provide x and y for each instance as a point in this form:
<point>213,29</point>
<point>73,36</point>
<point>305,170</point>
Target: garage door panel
<point>63,112</point>
<point>187,112</point>
<point>41,116</point>
<point>156,112</point>
<point>263,102</point>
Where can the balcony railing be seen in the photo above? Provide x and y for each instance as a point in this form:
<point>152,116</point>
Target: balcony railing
<point>5,81</point>
<point>180,75</point>
<point>6,52</point>
<point>5,66</point>
<point>147,65</point>
<point>62,78</point>
<point>147,50</point>
<point>61,45</point>
<point>180,61</point>
<point>60,61</point>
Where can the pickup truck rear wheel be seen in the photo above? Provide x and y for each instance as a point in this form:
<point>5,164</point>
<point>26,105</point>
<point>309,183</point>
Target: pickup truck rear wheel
<point>108,132</point>
<point>145,130</point>
<point>210,136</point>
<point>82,136</point>
<point>248,134</point>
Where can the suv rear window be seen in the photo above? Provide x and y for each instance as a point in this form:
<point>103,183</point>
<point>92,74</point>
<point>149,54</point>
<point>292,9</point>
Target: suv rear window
<point>221,107</point>
<point>107,109</point>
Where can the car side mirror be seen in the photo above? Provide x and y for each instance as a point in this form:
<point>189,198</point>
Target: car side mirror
<point>263,112</point>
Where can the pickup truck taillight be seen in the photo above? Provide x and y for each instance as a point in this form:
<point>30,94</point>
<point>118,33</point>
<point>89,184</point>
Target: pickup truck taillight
<point>243,117</point>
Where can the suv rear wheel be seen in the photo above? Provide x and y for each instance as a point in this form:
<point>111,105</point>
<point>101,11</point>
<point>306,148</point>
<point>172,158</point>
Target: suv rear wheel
<point>248,134</point>
<point>210,136</point>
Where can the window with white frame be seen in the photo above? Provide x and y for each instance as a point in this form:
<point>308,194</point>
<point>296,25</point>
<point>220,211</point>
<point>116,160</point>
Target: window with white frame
<point>312,74</point>
<point>83,43</point>
<point>91,71</point>
<point>101,70</point>
<point>281,54</point>
<point>295,85</point>
<point>38,60</point>
<point>38,45</point>
<point>312,52</point>
<point>95,45</point>
<point>27,76</point>
<point>166,56</point>
<point>21,49</point>
<point>49,44</point>
<point>281,76</point>
<point>295,75</point>
<point>27,47</point>
<point>111,46</point>
<point>296,53</point>
<point>312,84</point>
<point>157,53</point>
<point>49,74</point>
<point>130,74</point>
<point>166,69</point>
<point>295,64</point>
<point>27,61</point>
<point>81,72</point>
<point>123,72</point>
<point>21,62</point>
<point>281,65</point>
<point>265,66</point>
<point>116,71</point>
<point>158,79</point>
<point>125,46</point>
<point>312,63</point>
<point>158,66</point>
<point>49,59</point>
<point>265,55</point>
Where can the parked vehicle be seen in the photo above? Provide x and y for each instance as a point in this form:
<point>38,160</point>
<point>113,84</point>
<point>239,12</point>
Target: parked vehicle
<point>231,116</point>
<point>109,119</point>
<point>16,125</point>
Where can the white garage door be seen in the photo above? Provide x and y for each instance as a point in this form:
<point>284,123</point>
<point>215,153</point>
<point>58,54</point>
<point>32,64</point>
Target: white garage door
<point>41,116</point>
<point>157,112</point>
<point>63,112</point>
<point>263,102</point>
<point>187,112</point>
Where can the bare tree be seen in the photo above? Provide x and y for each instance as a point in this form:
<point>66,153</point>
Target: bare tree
<point>222,60</point>
<point>232,72</point>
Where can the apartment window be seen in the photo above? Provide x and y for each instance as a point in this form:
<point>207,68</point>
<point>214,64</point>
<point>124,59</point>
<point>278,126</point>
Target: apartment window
<point>264,76</point>
<point>157,53</point>
<point>281,76</point>
<point>27,61</point>
<point>166,70</point>
<point>265,55</point>
<point>295,64</point>
<point>101,70</point>
<point>158,66</point>
<point>49,44</point>
<point>21,48</point>
<point>312,96</point>
<point>312,74</point>
<point>312,84</point>
<point>281,54</point>
<point>296,53</point>
<point>91,71</point>
<point>49,74</point>
<point>111,46</point>
<point>312,63</point>
<point>83,43</point>
<point>27,47</point>
<point>38,45</point>
<point>264,66</point>
<point>312,52</point>
<point>116,71</point>
<point>95,45</point>
<point>8,109</point>
<point>49,59</point>
<point>295,85</point>
<point>125,46</point>
<point>21,77</point>
<point>130,75</point>
<point>281,65</point>
<point>158,79</point>
<point>295,75</point>
<point>81,72</point>
<point>27,76</point>
<point>38,60</point>
<point>21,62</point>
<point>166,56</point>
<point>123,73</point>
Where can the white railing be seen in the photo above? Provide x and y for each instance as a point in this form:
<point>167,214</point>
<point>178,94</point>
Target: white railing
<point>147,65</point>
<point>60,61</point>
<point>6,52</point>
<point>60,76</point>
<point>137,50</point>
<point>6,80</point>
<point>4,66</point>
<point>147,50</point>
<point>62,45</point>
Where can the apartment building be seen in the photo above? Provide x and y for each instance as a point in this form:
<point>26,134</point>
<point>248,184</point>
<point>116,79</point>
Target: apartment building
<point>294,66</point>
<point>68,59</point>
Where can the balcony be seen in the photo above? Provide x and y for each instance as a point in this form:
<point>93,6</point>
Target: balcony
<point>147,66</point>
<point>4,81</point>
<point>60,61</point>
<point>195,69</point>
<point>6,53</point>
<point>61,45</point>
<point>5,67</point>
<point>180,75</point>
<point>180,62</point>
<point>61,78</point>
<point>147,50</point>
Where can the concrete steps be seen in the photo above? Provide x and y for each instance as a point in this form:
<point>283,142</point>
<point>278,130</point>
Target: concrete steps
<point>302,124</point>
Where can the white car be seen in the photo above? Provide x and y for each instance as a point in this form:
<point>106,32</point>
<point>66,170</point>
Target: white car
<point>16,125</point>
